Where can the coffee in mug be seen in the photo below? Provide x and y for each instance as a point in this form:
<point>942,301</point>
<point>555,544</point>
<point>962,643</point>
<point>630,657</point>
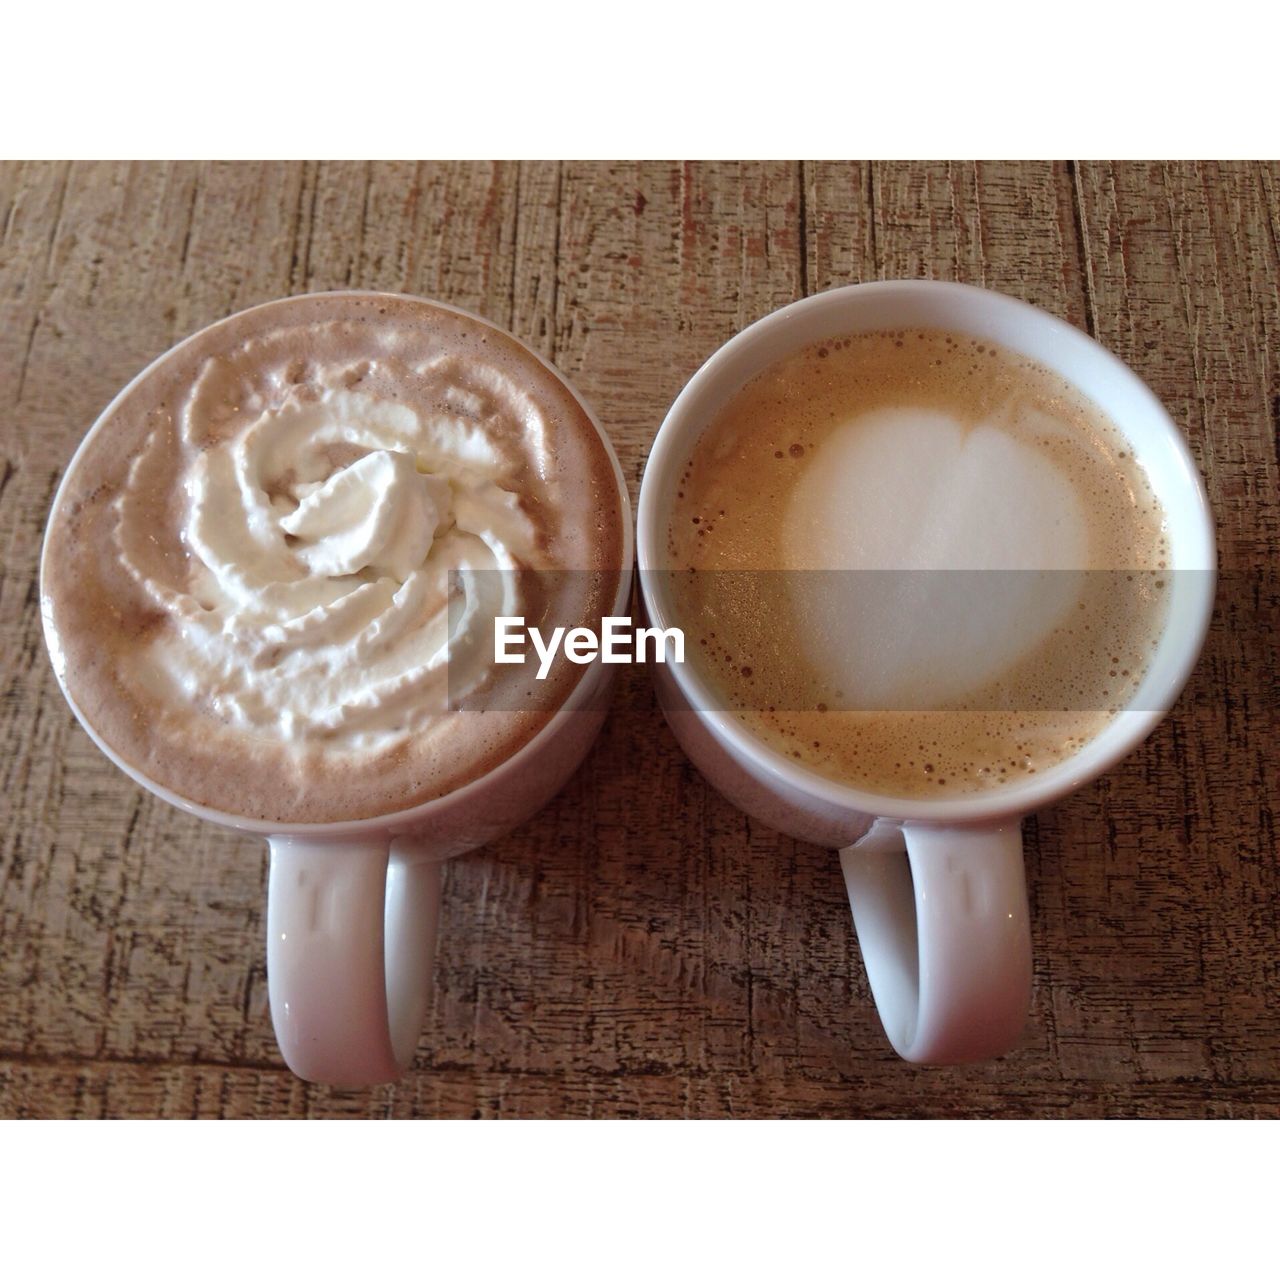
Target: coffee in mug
<point>270,583</point>
<point>917,562</point>
<point>921,532</point>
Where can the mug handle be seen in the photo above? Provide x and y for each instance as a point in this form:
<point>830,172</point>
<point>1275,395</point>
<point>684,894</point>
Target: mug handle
<point>945,936</point>
<point>351,933</point>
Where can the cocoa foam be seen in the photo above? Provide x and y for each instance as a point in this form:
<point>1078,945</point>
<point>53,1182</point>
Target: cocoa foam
<point>232,625</point>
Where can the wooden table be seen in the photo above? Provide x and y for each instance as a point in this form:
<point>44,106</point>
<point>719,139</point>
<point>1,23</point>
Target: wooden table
<point>641,948</point>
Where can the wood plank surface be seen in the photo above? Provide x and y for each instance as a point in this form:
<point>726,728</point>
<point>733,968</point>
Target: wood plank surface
<point>641,948</point>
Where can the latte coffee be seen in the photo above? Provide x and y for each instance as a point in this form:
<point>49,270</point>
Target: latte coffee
<point>270,577</point>
<point>917,563</point>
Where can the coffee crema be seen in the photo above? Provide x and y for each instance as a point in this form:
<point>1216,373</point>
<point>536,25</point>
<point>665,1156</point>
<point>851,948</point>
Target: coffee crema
<point>917,563</point>
<point>269,582</point>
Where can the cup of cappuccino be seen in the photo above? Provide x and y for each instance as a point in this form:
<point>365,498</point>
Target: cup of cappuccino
<point>269,585</point>
<point>940,559</point>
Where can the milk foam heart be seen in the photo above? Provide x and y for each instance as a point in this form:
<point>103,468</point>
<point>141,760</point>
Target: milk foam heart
<point>915,488</point>
<point>927,527</point>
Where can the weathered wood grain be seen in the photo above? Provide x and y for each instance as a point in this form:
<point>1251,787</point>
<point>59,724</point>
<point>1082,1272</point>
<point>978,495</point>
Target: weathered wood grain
<point>1005,226</point>
<point>641,948</point>
<point>35,1089</point>
<point>1183,897</point>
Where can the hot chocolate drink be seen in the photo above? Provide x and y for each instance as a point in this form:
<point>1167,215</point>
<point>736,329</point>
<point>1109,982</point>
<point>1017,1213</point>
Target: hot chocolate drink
<point>917,563</point>
<point>271,575</point>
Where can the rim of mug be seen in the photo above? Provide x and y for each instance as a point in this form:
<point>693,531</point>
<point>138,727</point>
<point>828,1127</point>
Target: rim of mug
<point>1115,741</point>
<point>580,693</point>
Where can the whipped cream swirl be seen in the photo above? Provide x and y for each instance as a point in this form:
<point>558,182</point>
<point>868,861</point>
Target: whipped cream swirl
<point>338,533</point>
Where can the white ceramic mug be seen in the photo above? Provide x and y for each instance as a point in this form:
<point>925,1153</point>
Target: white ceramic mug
<point>352,907</point>
<point>944,930</point>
